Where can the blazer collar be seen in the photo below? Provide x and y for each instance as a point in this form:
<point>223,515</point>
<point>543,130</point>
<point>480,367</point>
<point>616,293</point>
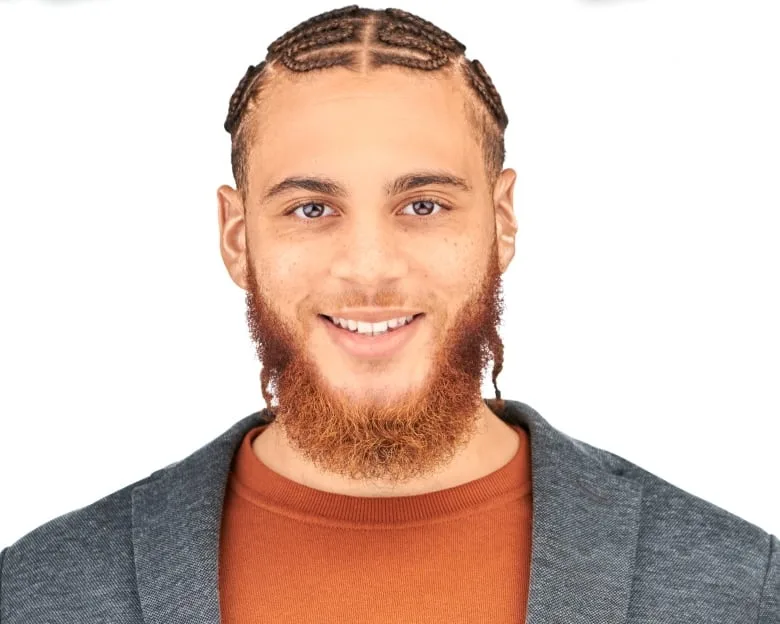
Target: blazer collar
<point>584,537</point>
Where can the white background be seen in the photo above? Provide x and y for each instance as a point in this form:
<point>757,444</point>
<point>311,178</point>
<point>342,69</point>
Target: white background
<point>641,307</point>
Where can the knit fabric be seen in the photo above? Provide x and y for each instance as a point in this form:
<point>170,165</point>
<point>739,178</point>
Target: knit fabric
<point>338,558</point>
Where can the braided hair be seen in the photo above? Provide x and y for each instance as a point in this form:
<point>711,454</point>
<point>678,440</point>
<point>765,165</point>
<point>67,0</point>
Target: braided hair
<point>356,38</point>
<point>365,39</point>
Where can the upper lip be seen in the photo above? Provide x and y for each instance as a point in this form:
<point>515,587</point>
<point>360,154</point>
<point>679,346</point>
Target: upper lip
<point>372,315</point>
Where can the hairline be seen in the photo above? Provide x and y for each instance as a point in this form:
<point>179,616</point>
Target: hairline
<point>475,111</point>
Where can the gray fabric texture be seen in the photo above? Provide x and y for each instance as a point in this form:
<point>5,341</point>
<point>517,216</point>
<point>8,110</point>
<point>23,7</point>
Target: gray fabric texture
<point>611,543</point>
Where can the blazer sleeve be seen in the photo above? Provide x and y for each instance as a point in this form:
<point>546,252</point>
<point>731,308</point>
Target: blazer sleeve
<point>769,607</point>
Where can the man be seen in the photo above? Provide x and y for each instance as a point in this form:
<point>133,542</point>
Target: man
<point>370,225</point>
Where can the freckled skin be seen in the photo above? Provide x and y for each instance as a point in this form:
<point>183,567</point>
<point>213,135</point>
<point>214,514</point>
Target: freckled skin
<point>414,422</point>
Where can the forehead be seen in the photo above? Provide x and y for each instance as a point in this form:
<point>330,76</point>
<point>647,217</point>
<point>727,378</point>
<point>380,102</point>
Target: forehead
<point>362,126</point>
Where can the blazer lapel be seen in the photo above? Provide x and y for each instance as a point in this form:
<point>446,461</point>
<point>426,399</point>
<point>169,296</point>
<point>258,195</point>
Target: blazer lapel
<point>176,524</point>
<point>585,529</point>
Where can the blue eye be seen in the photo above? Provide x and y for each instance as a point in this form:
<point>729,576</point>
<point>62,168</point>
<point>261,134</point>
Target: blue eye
<point>426,205</point>
<point>317,212</point>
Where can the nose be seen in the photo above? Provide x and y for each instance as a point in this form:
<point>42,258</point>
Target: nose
<point>370,252</point>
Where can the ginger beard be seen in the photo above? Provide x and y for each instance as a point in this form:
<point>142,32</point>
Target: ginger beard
<point>411,434</point>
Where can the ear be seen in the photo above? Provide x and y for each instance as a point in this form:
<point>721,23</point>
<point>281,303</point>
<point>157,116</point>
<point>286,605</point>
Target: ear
<point>232,233</point>
<point>506,224</point>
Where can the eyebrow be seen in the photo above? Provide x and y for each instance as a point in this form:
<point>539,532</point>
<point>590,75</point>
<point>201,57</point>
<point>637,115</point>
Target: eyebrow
<point>417,179</point>
<point>401,184</point>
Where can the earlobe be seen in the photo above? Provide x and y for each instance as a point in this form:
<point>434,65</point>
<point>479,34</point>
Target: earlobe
<point>232,233</point>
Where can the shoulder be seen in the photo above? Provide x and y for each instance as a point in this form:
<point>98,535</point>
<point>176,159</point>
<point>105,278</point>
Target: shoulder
<point>58,566</point>
<point>688,542</point>
<point>677,509</point>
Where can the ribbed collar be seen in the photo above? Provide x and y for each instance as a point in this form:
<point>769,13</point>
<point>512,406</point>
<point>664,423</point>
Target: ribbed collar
<point>253,480</point>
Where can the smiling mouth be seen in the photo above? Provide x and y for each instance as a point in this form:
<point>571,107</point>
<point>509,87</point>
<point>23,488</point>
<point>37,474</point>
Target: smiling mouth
<point>382,345</point>
<point>389,329</point>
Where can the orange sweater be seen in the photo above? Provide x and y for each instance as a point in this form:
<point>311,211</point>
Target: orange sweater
<point>294,554</point>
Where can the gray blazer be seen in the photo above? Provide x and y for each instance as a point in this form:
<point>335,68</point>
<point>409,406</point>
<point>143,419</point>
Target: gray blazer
<point>611,543</point>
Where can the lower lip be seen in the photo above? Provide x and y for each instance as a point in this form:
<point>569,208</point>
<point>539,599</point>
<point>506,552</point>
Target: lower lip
<point>384,345</point>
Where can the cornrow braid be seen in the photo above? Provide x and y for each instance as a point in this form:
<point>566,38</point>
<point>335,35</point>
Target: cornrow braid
<point>408,21</point>
<point>319,35</point>
<point>407,36</point>
<point>484,85</point>
<point>399,38</point>
<point>315,24</point>
<point>342,38</point>
<point>240,96</point>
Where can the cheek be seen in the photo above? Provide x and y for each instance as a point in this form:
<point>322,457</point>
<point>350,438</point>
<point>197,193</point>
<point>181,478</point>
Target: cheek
<point>292,277</point>
<point>456,259</point>
<point>284,263</point>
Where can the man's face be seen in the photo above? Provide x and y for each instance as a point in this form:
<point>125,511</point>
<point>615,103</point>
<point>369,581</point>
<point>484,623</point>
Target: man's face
<point>401,409</point>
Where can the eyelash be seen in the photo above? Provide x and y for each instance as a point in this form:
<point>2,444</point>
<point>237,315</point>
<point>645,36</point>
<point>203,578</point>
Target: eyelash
<point>432,200</point>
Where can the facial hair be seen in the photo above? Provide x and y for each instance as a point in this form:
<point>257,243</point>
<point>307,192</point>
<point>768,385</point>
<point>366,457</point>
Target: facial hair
<point>410,435</point>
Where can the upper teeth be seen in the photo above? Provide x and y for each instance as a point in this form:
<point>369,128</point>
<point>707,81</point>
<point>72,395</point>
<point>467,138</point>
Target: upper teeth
<point>362,327</point>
